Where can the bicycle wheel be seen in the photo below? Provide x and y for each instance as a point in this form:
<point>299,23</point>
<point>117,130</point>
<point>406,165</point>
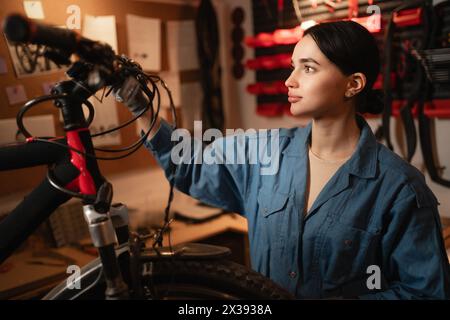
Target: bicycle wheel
<point>171,279</point>
<point>210,279</point>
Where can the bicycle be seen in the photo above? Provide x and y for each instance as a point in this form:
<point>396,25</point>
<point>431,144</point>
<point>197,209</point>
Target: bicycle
<point>125,269</point>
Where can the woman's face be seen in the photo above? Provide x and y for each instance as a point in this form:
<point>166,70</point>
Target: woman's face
<point>316,86</point>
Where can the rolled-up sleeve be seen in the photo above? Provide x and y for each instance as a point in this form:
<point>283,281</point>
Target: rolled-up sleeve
<point>415,264</point>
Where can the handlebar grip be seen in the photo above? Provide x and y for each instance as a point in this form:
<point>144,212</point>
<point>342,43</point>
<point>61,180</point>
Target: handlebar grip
<point>19,28</point>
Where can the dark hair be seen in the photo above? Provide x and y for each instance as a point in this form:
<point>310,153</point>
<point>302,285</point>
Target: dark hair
<point>352,48</point>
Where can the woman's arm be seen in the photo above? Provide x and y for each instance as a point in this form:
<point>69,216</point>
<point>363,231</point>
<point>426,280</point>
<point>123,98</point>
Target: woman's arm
<point>144,124</point>
<point>218,184</point>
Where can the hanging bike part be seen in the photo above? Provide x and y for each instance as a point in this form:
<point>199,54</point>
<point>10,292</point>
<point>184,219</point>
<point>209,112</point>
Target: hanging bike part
<point>400,18</point>
<point>208,51</point>
<point>426,125</point>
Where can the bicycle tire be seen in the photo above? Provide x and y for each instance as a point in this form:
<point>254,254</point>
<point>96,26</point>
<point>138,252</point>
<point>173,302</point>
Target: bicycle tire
<point>216,279</point>
<point>211,279</point>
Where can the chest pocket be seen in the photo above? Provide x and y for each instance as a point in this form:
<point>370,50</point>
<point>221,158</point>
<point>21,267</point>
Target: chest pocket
<point>345,252</point>
<point>272,208</point>
<point>271,203</point>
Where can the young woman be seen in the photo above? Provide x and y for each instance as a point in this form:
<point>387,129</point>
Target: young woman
<point>342,216</point>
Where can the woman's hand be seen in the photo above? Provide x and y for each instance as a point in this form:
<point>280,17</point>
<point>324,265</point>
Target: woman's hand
<point>132,96</point>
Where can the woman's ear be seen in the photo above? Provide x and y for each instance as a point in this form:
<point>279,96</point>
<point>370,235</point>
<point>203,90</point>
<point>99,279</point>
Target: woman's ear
<point>356,83</point>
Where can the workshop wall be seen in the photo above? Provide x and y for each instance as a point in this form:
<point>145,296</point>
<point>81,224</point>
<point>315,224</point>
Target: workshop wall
<point>56,13</point>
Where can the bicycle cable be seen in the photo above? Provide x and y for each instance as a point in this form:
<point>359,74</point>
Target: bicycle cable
<point>135,145</point>
<point>143,78</point>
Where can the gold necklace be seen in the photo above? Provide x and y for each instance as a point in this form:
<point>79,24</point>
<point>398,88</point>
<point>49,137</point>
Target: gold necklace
<point>328,161</point>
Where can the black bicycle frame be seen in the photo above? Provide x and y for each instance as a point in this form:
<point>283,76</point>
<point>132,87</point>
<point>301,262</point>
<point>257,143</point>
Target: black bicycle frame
<point>72,170</point>
<point>43,200</point>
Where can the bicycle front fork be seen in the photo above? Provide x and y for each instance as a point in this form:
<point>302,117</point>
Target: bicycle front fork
<point>102,228</point>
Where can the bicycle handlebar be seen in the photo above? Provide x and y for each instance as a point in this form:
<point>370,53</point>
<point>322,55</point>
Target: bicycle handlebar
<point>21,29</point>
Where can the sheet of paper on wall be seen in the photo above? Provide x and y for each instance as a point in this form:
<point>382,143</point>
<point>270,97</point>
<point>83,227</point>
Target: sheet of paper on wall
<point>3,68</point>
<point>144,41</point>
<point>101,28</point>
<point>191,104</point>
<point>33,9</point>
<point>172,80</point>
<point>16,94</point>
<point>38,126</point>
<point>105,118</point>
<point>25,67</point>
<point>47,87</point>
<point>182,45</point>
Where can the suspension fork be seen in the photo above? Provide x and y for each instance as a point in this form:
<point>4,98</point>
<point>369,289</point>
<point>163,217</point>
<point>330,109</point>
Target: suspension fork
<point>104,239</point>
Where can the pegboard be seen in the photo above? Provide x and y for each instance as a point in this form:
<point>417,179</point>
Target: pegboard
<point>268,16</point>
